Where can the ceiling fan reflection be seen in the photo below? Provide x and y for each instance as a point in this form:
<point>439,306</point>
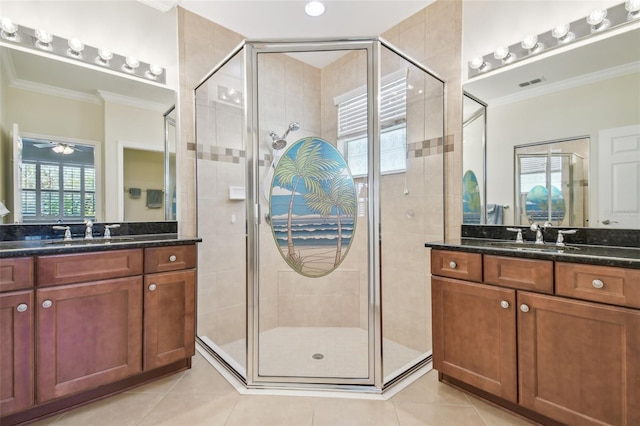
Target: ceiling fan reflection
<point>59,147</point>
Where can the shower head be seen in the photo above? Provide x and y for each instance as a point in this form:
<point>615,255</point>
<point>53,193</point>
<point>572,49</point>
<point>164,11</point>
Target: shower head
<point>280,142</point>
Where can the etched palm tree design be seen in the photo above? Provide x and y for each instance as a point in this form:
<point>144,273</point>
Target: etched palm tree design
<point>308,166</point>
<point>338,197</point>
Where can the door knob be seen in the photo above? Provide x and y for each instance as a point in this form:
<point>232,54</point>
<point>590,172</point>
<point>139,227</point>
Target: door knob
<point>453,265</point>
<point>524,308</point>
<point>504,304</point>
<point>597,283</point>
<point>152,287</point>
<point>22,307</point>
<point>47,304</point>
<point>172,258</point>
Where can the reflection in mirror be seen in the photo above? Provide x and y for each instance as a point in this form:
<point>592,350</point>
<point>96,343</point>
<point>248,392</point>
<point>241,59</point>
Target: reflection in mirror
<point>552,183</point>
<point>118,118</point>
<point>590,90</point>
<point>473,141</point>
<point>170,135</point>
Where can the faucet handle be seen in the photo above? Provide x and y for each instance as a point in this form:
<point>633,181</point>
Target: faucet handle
<point>107,230</point>
<point>519,236</point>
<point>562,233</point>
<point>67,231</point>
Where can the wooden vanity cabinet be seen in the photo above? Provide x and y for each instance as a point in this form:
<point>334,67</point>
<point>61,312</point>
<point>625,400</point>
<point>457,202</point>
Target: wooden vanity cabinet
<point>577,361</point>
<point>468,316</point>
<point>16,351</point>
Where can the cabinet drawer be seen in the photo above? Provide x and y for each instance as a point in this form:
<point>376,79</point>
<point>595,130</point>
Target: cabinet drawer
<point>617,286</point>
<point>457,264</point>
<point>169,258</point>
<point>16,273</point>
<point>523,274</point>
<point>83,267</point>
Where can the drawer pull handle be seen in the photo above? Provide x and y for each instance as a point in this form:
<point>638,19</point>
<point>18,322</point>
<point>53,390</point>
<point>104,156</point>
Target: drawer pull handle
<point>21,307</point>
<point>504,304</point>
<point>152,287</point>
<point>172,258</point>
<point>524,308</point>
<point>453,265</point>
<point>597,283</point>
<point>47,304</point>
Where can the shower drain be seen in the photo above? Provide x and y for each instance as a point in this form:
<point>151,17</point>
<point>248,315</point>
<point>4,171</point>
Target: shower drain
<point>317,356</point>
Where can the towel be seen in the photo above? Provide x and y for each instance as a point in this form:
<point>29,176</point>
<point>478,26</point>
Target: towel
<point>154,198</point>
<point>135,193</point>
<point>494,214</point>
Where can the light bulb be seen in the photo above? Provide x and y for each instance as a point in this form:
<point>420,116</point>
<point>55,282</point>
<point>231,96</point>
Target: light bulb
<point>104,56</point>
<point>531,44</point>
<point>44,39</point>
<point>633,7</point>
<point>563,34</point>
<point>314,8</point>
<point>9,29</point>
<point>75,47</point>
<point>597,20</point>
<point>502,53</point>
<point>476,62</point>
<point>154,71</point>
<point>131,63</point>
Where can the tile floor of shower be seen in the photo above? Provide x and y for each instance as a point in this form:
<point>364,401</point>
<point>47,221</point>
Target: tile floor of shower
<point>290,351</point>
<point>202,396</point>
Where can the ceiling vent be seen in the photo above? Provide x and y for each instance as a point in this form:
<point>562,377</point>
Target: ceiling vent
<point>532,82</point>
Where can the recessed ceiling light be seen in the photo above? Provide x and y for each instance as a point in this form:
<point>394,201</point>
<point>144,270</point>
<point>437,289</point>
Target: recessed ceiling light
<point>314,8</point>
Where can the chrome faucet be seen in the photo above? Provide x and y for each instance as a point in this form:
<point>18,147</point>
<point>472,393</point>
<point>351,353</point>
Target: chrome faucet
<point>67,231</point>
<point>539,231</point>
<point>562,233</point>
<point>519,238</point>
<point>88,232</point>
<point>107,230</point>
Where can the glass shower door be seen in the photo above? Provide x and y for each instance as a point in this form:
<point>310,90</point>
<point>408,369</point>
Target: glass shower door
<point>313,291</point>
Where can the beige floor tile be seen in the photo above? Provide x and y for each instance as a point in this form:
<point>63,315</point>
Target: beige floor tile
<point>428,390</point>
<point>413,413</point>
<point>160,386</point>
<point>120,410</point>
<point>191,410</point>
<point>339,412</point>
<point>494,416</point>
<point>254,410</point>
<point>46,422</point>
<point>202,378</point>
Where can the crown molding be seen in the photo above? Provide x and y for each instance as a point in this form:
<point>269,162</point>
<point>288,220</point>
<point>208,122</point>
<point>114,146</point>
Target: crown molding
<point>130,101</point>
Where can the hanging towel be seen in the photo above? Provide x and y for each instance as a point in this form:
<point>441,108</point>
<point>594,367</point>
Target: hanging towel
<point>494,214</point>
<point>154,198</point>
<point>135,193</point>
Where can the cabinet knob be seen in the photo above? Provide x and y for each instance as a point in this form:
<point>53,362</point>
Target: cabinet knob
<point>22,307</point>
<point>524,308</point>
<point>597,283</point>
<point>504,304</point>
<point>47,304</point>
<point>172,258</point>
<point>152,287</point>
<point>453,265</point>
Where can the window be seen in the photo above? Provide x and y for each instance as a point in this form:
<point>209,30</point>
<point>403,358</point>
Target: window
<point>56,186</point>
<point>352,126</point>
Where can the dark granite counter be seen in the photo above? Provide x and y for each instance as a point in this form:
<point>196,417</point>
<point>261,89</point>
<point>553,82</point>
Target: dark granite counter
<point>33,247</point>
<point>627,257</point>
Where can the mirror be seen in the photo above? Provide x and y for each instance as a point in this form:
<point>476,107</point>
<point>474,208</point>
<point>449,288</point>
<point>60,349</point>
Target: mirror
<point>123,127</point>
<point>589,92</point>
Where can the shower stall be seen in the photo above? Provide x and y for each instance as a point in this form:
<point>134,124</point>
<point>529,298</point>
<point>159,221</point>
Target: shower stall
<point>319,179</point>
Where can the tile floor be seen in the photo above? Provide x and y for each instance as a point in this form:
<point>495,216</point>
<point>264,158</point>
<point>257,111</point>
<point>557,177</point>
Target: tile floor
<point>201,396</point>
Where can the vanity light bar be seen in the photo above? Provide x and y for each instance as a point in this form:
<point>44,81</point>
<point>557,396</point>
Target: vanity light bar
<point>43,41</point>
<point>596,23</point>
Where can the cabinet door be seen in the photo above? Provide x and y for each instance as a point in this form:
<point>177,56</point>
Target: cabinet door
<point>474,335</point>
<point>16,351</point>
<point>88,335</point>
<point>579,361</point>
<point>169,317</point>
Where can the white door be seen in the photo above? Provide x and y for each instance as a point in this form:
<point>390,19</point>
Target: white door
<point>17,174</point>
<point>619,177</point>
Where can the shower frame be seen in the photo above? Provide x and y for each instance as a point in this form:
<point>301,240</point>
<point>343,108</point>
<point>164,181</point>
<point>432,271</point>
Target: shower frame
<point>374,383</point>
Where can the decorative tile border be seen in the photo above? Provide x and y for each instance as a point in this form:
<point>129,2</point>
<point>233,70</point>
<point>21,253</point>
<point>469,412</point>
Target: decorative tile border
<point>226,155</point>
<point>429,147</point>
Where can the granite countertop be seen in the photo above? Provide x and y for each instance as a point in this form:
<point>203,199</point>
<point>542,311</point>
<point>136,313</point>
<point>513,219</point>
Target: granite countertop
<point>627,257</point>
<point>58,246</point>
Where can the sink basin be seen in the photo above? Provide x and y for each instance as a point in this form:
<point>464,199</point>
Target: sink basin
<point>543,248</point>
<point>95,241</point>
